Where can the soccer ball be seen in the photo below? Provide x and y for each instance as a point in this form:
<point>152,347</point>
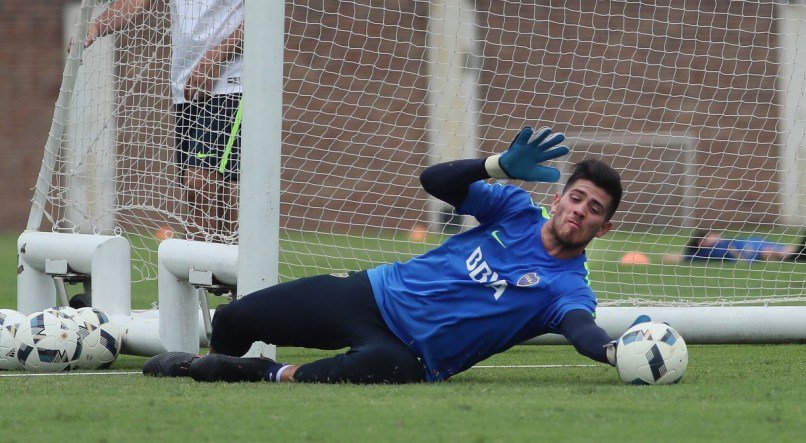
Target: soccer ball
<point>65,310</point>
<point>10,316</point>
<point>651,353</point>
<point>100,339</point>
<point>47,342</point>
<point>9,321</point>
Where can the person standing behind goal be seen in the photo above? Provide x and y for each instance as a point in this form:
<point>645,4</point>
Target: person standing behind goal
<point>206,68</point>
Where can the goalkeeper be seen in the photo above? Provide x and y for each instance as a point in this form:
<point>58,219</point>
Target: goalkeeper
<point>519,274</point>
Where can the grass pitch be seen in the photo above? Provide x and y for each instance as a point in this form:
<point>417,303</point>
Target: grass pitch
<point>730,393</point>
<point>530,393</point>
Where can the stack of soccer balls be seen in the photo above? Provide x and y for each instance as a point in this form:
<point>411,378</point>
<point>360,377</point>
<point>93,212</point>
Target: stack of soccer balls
<point>58,339</point>
<point>651,353</point>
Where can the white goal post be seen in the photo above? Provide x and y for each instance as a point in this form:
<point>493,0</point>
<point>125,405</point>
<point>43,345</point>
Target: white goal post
<point>345,103</point>
<point>246,267</point>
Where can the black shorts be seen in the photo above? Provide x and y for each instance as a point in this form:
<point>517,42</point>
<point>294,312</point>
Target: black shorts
<point>208,135</point>
<point>322,312</point>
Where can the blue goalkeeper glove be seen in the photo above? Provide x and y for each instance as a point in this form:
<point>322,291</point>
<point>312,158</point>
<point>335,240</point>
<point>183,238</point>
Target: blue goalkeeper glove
<point>610,351</point>
<point>522,160</point>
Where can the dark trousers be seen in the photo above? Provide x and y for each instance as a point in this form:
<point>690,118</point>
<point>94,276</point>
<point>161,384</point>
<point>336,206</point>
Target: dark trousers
<point>322,312</point>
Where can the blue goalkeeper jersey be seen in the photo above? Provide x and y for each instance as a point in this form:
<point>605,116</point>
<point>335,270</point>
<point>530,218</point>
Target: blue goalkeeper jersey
<point>484,290</point>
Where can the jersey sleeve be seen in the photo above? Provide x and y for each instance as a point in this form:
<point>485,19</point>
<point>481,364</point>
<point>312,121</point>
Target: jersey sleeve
<point>494,201</point>
<point>576,294</point>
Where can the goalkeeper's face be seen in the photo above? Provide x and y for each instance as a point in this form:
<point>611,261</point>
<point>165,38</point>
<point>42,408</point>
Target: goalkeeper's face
<point>580,215</point>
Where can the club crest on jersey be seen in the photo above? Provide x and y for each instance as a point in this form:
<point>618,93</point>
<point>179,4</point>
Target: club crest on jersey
<point>529,279</point>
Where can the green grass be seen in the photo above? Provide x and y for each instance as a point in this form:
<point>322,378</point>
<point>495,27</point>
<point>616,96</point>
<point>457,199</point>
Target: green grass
<point>310,254</point>
<point>730,392</point>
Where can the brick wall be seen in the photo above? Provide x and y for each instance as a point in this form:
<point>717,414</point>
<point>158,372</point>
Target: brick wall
<point>694,68</point>
<point>31,55</point>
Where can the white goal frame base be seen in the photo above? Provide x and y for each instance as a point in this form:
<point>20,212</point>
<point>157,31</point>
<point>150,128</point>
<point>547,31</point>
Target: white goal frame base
<point>106,260</point>
<point>708,324</point>
<point>183,265</point>
<point>186,266</point>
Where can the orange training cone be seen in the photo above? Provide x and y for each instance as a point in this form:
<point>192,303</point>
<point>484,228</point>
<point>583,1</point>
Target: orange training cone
<point>418,233</point>
<point>634,258</point>
<point>163,232</point>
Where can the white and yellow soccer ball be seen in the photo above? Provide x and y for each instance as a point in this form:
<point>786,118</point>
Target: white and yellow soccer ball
<point>651,353</point>
<point>100,339</point>
<point>47,342</point>
<point>9,322</point>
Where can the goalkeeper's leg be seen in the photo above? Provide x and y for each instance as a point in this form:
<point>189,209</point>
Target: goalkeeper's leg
<point>323,312</point>
<point>169,364</point>
<point>384,360</point>
<point>380,360</point>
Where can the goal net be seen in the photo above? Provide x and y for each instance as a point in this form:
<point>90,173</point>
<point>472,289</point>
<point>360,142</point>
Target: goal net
<point>696,102</point>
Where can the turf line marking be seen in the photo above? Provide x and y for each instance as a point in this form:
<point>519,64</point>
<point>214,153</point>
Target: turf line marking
<point>532,366</point>
<point>74,374</point>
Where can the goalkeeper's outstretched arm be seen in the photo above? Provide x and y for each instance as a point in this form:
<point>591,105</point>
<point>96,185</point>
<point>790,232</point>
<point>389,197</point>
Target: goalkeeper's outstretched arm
<point>587,337</point>
<point>522,161</point>
<point>449,181</point>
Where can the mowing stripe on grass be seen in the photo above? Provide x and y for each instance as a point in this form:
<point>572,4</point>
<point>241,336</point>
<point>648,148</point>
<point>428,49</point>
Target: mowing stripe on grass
<point>62,374</point>
<point>55,374</point>
<point>533,366</point>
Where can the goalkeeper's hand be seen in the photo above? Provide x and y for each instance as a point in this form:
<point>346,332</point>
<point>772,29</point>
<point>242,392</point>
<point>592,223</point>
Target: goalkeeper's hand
<point>522,160</point>
<point>610,351</point>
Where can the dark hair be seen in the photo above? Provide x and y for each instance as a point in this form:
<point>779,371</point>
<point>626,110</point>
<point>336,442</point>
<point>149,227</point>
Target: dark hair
<point>603,176</point>
<point>694,242</point>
